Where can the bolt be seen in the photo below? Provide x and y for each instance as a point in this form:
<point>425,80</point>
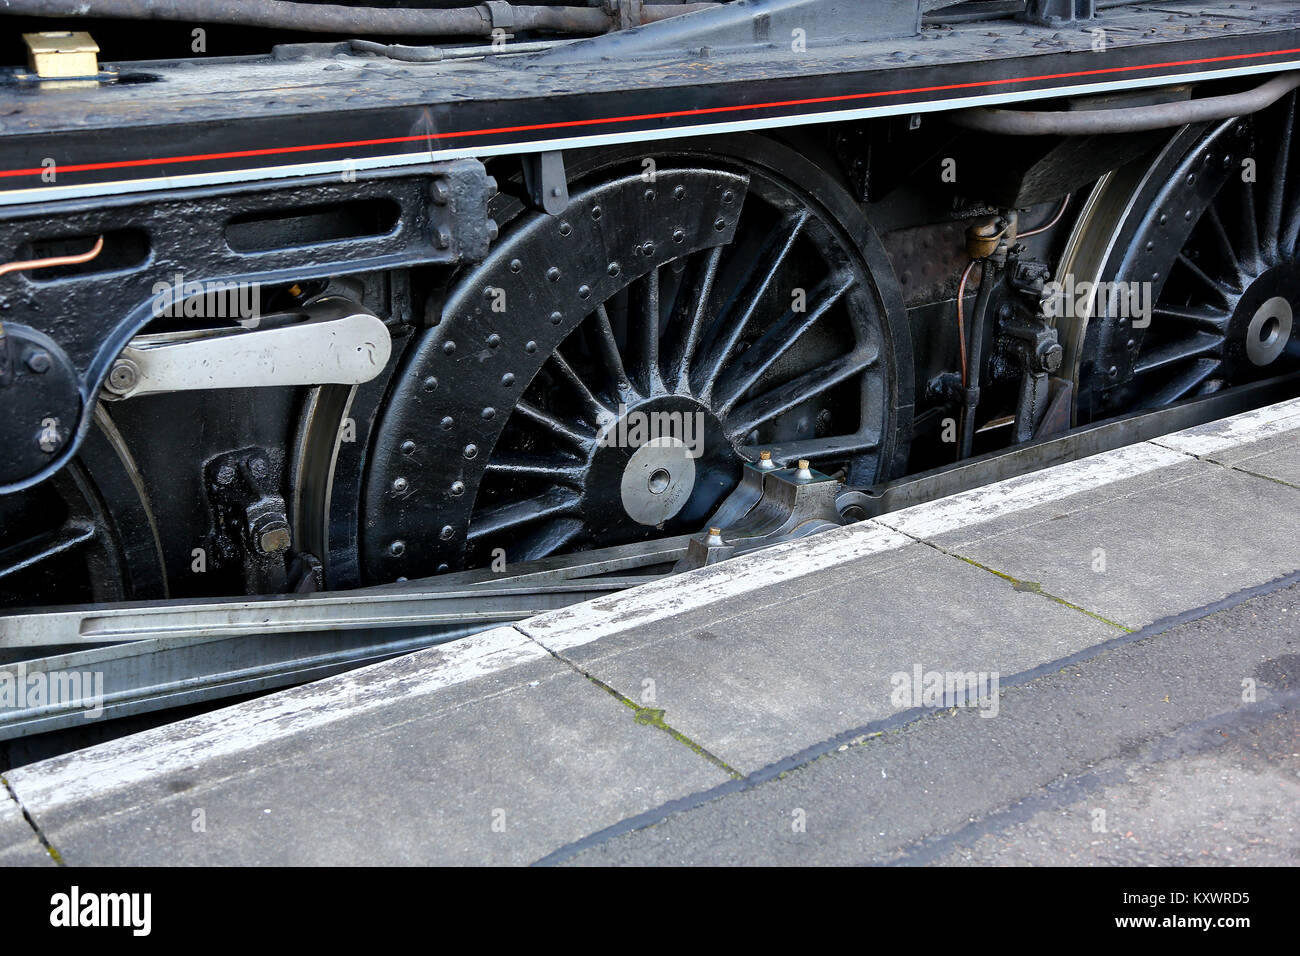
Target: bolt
<point>458,488</point>
<point>804,473</point>
<point>446,532</point>
<point>123,376</point>
<point>39,361</point>
<point>397,548</point>
<point>273,541</point>
<point>1051,356</point>
<point>471,450</point>
<point>408,447</point>
<point>444,239</point>
<point>400,485</point>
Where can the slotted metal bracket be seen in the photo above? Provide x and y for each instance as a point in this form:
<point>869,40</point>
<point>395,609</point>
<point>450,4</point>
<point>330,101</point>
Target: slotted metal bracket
<point>548,188</point>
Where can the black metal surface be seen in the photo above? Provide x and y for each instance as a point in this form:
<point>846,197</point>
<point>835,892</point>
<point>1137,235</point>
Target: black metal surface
<point>253,234</point>
<point>41,400</point>
<point>317,110</point>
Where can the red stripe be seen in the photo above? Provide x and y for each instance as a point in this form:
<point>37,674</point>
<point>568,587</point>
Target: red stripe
<point>570,124</point>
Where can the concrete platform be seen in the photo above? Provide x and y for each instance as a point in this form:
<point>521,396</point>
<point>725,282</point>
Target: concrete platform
<point>708,717</point>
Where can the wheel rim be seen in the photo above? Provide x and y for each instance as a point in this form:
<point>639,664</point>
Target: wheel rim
<point>718,301</point>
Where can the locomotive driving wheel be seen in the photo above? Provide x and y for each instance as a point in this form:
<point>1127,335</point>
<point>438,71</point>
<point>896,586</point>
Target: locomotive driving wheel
<point>602,377</point>
<point>1206,233</point>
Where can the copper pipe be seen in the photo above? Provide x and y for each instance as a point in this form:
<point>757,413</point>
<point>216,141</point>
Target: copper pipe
<point>1055,219</point>
<point>53,261</point>
<point>961,317</point>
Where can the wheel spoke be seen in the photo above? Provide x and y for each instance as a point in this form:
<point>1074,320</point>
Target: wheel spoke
<point>517,514</point>
<point>518,465</point>
<point>695,300</point>
<point>1214,285</point>
<point>1226,251</point>
<point>28,554</point>
<point>1249,227</point>
<point>1272,225</point>
<point>775,342</point>
<point>599,411</point>
<point>643,334</point>
<point>753,291</point>
<point>794,392</point>
<point>1183,384</point>
<point>1180,350</point>
<point>553,425</point>
<point>1199,317</point>
<point>557,534</point>
<point>608,346</point>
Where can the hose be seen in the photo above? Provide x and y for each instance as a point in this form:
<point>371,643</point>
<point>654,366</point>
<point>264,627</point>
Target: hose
<point>1131,119</point>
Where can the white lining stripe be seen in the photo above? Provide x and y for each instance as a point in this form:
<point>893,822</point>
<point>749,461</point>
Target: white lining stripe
<point>1006,497</point>
<point>1241,429</point>
<point>669,597</point>
<point>50,193</point>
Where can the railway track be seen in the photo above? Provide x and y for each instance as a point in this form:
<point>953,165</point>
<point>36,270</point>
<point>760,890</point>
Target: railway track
<point>153,656</point>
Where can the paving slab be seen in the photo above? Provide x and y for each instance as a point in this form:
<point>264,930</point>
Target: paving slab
<point>18,843</point>
<point>383,765</point>
<point>757,680</point>
<point>1262,442</point>
<point>1148,546</point>
<point>1106,732</point>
